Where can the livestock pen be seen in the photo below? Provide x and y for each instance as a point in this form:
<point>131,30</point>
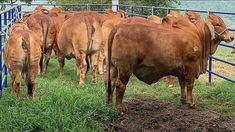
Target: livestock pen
<point>61,105</point>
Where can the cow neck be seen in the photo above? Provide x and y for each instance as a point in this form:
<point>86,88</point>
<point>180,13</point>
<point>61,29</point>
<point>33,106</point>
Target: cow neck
<point>205,41</point>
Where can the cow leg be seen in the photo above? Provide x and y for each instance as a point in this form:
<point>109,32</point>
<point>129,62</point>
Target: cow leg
<point>47,59</point>
<point>16,82</point>
<point>113,79</point>
<point>81,67</point>
<point>94,60</point>
<point>101,62</point>
<point>61,62</point>
<point>59,58</point>
<point>120,90</point>
<point>182,89</point>
<point>170,81</point>
<point>189,97</point>
<point>31,85</point>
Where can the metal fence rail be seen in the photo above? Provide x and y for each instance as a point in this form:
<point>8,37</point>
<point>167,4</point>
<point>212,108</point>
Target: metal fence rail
<point>6,18</point>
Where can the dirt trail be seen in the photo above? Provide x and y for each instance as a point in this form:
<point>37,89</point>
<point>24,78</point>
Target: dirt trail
<point>146,114</point>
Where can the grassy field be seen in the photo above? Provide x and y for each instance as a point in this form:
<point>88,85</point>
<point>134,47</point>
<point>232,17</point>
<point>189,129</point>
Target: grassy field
<point>61,105</point>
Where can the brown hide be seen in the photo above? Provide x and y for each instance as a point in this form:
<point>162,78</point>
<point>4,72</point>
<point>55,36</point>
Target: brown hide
<point>107,26</point>
<point>44,27</point>
<point>40,9</point>
<point>21,56</point>
<point>233,50</point>
<point>80,36</point>
<point>193,16</point>
<point>155,19</point>
<point>142,49</point>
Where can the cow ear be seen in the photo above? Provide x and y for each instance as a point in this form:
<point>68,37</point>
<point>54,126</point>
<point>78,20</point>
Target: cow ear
<point>212,29</point>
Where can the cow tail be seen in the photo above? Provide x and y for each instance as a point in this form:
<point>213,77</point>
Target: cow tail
<point>91,32</point>
<point>44,33</point>
<point>26,49</point>
<point>110,42</point>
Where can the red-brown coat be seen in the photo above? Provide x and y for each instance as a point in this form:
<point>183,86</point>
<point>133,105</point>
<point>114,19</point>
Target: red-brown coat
<point>44,27</point>
<point>78,37</point>
<point>144,51</point>
<point>22,55</point>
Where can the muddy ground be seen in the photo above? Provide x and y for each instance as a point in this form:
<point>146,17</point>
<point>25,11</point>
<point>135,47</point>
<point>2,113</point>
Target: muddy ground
<point>146,114</point>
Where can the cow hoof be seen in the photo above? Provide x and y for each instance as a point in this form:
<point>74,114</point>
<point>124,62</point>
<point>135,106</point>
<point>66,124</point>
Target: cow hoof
<point>170,86</point>
<point>120,113</point>
<point>101,73</point>
<point>81,84</point>
<point>191,106</point>
<point>183,101</point>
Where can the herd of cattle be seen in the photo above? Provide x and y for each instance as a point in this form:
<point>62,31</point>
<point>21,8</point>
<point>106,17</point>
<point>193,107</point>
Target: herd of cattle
<point>148,48</point>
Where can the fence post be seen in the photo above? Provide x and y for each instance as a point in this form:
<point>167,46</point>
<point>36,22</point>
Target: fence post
<point>1,54</point>
<point>153,10</point>
<point>132,10</point>
<point>142,10</point>
<point>210,70</point>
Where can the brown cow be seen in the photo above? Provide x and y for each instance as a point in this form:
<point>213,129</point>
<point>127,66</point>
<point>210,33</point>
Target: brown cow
<point>79,37</point>
<point>144,51</point>
<point>44,27</point>
<point>107,27</point>
<point>22,55</point>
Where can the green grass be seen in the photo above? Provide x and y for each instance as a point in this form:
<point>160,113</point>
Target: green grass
<point>61,105</point>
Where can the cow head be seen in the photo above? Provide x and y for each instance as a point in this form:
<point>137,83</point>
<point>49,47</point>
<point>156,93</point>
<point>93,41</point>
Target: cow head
<point>192,16</point>
<point>220,28</point>
<point>219,31</point>
<point>40,9</point>
<point>18,25</point>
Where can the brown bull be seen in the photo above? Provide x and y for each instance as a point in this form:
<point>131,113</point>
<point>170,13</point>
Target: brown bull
<point>79,37</point>
<point>44,27</point>
<point>22,55</point>
<point>144,51</point>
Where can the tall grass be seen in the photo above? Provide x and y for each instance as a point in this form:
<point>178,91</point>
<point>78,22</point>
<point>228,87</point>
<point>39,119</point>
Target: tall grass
<point>60,104</point>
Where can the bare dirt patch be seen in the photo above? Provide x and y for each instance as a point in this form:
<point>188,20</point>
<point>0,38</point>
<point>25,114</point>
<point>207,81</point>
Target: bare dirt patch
<point>147,114</point>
